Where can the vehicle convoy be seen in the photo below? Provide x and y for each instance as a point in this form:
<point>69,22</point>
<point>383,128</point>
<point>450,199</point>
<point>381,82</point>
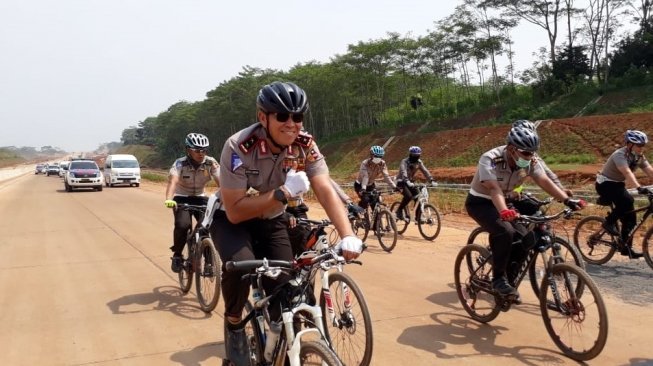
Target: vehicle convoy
<point>83,174</point>
<point>40,168</point>
<point>122,169</point>
<point>63,168</point>
<point>53,169</point>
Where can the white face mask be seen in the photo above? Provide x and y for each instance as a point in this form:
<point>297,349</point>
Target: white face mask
<point>376,160</point>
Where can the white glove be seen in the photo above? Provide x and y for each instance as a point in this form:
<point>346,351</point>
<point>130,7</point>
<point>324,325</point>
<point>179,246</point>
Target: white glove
<point>434,183</point>
<point>410,184</point>
<point>296,183</point>
<point>350,243</point>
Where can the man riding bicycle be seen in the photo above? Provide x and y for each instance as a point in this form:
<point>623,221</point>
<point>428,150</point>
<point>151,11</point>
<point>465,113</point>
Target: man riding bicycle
<point>370,169</point>
<point>187,179</point>
<point>405,177</point>
<point>499,171</point>
<point>611,182</point>
<point>257,180</point>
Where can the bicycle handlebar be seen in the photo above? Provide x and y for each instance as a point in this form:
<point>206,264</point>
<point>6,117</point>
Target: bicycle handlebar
<point>251,264</point>
<point>566,213</point>
<point>323,223</point>
<point>189,207</point>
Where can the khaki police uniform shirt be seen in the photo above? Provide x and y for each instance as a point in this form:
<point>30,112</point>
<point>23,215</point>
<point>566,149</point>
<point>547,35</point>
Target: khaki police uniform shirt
<point>247,163</point>
<point>369,172</point>
<point>493,165</point>
<point>622,157</point>
<point>407,170</point>
<point>191,180</point>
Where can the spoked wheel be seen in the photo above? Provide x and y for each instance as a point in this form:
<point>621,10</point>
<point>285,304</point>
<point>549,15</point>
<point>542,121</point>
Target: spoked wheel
<point>318,354</point>
<point>208,276</point>
<point>253,332</point>
<point>361,227</point>
<point>386,229</point>
<point>565,253</point>
<point>428,222</point>
<point>594,243</point>
<point>473,278</point>
<point>647,247</point>
<point>186,273</point>
<point>402,225</point>
<point>577,325</point>
<point>350,334</point>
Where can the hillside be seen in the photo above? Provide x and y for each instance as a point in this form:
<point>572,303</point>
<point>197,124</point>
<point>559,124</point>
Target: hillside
<point>574,147</point>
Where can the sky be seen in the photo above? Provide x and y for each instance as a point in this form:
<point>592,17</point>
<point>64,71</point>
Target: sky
<point>75,73</point>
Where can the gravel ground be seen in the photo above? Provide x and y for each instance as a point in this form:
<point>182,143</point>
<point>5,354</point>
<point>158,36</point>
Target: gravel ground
<point>629,280</point>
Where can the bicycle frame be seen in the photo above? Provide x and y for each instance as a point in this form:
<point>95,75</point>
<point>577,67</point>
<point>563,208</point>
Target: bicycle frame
<point>648,212</point>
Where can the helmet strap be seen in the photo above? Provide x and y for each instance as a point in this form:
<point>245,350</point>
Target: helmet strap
<point>269,136</point>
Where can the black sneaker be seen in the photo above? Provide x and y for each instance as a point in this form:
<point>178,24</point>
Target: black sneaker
<point>630,252</point>
<point>400,215</point>
<point>611,228</point>
<point>177,263</point>
<point>235,346</point>
<point>502,286</point>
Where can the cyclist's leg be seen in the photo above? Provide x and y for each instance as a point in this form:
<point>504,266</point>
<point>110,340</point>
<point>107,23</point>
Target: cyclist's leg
<point>233,242</point>
<point>407,196</point>
<point>612,192</point>
<point>183,224</point>
<point>501,234</point>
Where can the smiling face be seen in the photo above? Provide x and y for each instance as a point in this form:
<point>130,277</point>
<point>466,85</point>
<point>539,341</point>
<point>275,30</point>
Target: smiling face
<point>283,133</point>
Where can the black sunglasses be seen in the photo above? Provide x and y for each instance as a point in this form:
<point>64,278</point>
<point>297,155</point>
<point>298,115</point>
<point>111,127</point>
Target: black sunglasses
<point>525,153</point>
<point>640,145</point>
<point>199,151</point>
<point>296,117</point>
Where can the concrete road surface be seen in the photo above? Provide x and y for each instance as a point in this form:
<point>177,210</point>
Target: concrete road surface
<point>85,280</point>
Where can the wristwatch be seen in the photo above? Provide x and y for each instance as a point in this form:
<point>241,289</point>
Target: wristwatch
<point>280,196</point>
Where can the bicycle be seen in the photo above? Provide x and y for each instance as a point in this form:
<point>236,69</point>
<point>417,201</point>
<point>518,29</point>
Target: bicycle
<point>571,305</point>
<point>561,248</point>
<point>597,245</point>
<point>268,347</point>
<point>200,258</point>
<point>383,221</point>
<point>347,320</point>
<point>427,216</point>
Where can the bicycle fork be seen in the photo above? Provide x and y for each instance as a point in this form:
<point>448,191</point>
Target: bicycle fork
<point>337,321</point>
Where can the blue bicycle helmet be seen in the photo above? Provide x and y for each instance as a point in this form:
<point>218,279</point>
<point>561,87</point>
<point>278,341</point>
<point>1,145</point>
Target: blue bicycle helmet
<point>415,150</point>
<point>524,123</point>
<point>377,151</point>
<point>636,137</point>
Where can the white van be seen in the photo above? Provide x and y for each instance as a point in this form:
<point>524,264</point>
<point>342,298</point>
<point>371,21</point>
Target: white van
<point>122,169</point>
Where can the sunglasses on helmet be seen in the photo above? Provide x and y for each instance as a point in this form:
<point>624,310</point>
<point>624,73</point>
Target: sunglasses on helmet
<point>296,117</point>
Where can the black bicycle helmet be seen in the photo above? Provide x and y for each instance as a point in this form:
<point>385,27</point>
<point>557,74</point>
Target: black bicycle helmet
<point>282,97</point>
<point>523,139</point>
<point>197,141</point>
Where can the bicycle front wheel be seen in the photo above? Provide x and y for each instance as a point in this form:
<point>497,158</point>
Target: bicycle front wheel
<point>208,275</point>
<point>472,276</point>
<point>254,334</point>
<point>577,325</point>
<point>594,243</point>
<point>317,354</point>
<point>402,225</point>
<point>185,275</point>
<point>647,247</point>
<point>361,227</point>
<point>386,229</point>
<point>564,253</point>
<point>428,222</point>
<point>350,332</point>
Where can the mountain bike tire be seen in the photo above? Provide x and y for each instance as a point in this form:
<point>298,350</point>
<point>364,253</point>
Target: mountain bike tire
<point>594,243</point>
<point>386,229</point>
<point>579,325</point>
<point>402,225</point>
<point>569,253</point>
<point>428,222</point>
<point>473,279</point>
<point>317,353</point>
<point>185,275</point>
<point>647,247</point>
<point>208,275</point>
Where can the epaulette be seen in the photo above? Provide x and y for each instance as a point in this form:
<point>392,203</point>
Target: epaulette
<point>304,139</point>
<point>247,144</point>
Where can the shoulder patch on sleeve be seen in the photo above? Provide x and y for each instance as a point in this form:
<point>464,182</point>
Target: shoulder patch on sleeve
<point>235,162</point>
<point>247,144</point>
<point>304,139</point>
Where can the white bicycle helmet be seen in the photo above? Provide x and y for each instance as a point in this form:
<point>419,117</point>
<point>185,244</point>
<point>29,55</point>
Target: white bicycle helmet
<point>636,137</point>
<point>197,141</point>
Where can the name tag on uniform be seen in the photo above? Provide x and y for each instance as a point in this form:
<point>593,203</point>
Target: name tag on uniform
<point>252,171</point>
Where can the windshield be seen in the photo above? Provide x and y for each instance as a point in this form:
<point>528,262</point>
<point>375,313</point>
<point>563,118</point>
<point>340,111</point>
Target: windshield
<point>124,164</point>
<point>83,165</point>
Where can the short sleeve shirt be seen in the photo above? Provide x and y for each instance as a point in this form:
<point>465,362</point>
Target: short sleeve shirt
<point>622,157</point>
<point>493,165</point>
<point>247,163</point>
<point>193,180</point>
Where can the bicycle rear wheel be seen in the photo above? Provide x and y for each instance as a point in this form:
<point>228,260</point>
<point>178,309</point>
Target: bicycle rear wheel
<point>402,225</point>
<point>361,227</point>
<point>317,354</point>
<point>186,274</point>
<point>386,229</point>
<point>567,253</point>
<point>577,325</point>
<point>594,243</point>
<point>350,333</point>
<point>472,275</point>
<point>208,275</point>
<point>428,222</point>
<point>647,247</point>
